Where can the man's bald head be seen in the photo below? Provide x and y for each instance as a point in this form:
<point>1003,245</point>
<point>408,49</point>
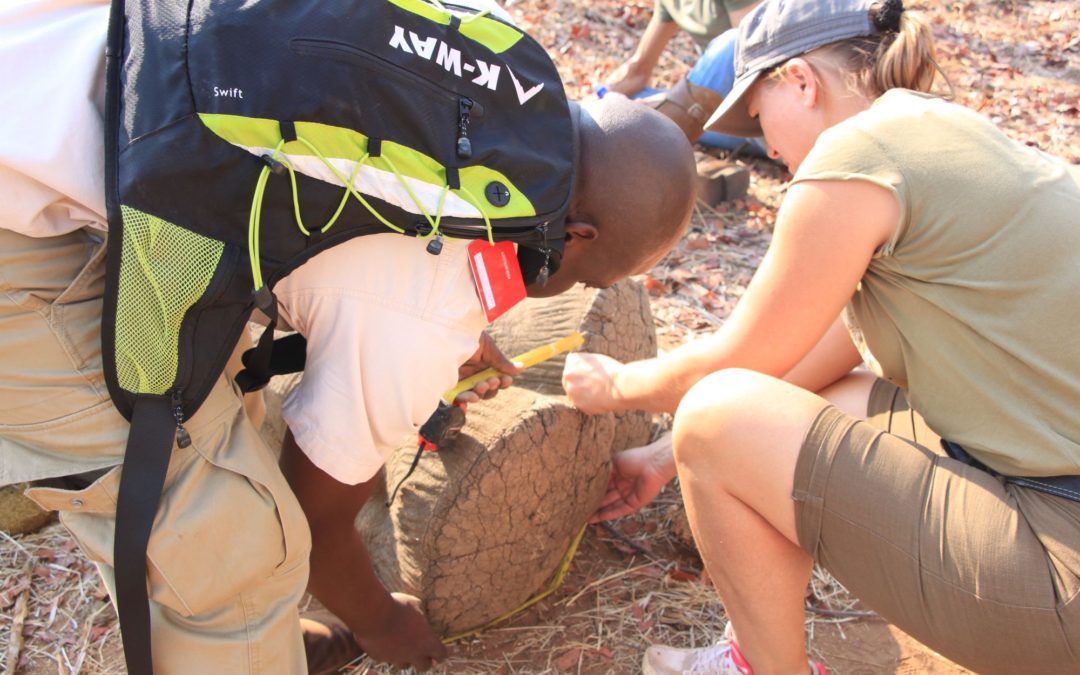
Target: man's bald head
<point>633,195</point>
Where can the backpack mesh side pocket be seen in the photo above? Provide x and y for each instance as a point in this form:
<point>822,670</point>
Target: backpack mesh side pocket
<point>164,271</point>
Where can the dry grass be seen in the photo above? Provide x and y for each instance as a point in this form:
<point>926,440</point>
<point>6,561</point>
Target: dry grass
<point>60,617</point>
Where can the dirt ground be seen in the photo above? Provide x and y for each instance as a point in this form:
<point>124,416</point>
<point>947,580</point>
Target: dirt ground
<point>635,581</point>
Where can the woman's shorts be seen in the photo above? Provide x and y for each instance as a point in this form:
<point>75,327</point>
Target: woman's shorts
<point>983,572</point>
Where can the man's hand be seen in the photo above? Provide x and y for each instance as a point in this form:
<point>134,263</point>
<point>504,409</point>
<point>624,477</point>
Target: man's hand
<point>634,75</point>
<point>637,476</point>
<point>404,639</point>
<point>389,626</point>
<point>487,355</point>
<point>629,78</point>
<point>589,381</point>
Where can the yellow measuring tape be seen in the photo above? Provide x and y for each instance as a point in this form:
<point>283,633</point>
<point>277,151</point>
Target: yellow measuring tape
<point>556,581</point>
<point>527,360</point>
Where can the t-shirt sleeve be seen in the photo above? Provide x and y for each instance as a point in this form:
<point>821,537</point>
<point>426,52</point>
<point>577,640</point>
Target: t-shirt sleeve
<point>374,377</point>
<point>387,325</point>
<point>847,152</point>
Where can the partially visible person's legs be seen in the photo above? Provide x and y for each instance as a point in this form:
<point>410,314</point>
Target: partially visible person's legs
<point>692,99</point>
<point>228,557</point>
<point>50,351</point>
<point>690,103</point>
<point>715,72</point>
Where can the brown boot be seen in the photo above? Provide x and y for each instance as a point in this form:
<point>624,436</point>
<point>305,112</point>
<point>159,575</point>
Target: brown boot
<point>329,646</point>
<point>688,106</point>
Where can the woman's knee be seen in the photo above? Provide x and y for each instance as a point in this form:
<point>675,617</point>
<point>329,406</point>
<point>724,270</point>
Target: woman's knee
<point>713,412</point>
<point>734,414</point>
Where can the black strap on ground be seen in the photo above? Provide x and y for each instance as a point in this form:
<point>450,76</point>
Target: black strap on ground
<point>146,461</point>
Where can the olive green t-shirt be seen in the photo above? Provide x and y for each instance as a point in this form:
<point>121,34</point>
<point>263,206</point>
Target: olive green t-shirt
<point>701,19</point>
<point>974,306</point>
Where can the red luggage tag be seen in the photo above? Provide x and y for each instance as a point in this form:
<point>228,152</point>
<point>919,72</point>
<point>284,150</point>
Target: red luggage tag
<point>497,275</point>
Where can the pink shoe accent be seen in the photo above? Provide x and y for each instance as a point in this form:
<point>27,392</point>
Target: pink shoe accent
<point>816,667</point>
<point>739,660</point>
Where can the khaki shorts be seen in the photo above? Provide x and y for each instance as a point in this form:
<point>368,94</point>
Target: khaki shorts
<point>228,557</point>
<point>983,572</point>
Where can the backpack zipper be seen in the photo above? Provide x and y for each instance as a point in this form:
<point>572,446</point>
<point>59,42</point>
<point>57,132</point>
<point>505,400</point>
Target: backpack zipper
<point>464,145</point>
<point>545,270</point>
<point>183,438</point>
<point>352,53</point>
<point>468,112</point>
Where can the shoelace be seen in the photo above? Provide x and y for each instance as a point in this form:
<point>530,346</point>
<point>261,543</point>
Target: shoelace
<point>722,659</point>
<point>717,660</point>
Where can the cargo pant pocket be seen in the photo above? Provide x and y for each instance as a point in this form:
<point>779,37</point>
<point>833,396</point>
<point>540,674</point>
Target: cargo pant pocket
<point>223,527</point>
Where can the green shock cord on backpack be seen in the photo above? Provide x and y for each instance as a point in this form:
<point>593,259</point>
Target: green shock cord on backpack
<point>243,137</point>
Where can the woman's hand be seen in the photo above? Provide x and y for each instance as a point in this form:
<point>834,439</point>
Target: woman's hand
<point>589,381</point>
<point>637,476</point>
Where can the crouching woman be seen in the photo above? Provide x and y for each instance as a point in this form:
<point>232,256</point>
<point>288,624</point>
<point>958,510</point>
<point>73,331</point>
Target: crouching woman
<point>915,237</point>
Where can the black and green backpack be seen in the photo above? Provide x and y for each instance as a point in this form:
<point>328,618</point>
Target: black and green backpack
<point>243,137</point>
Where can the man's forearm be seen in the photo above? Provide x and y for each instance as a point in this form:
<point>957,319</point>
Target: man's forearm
<point>653,42</point>
<point>342,577</point>
<point>343,580</point>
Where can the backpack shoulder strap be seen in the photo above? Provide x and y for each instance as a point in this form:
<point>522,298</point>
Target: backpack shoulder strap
<point>146,460</point>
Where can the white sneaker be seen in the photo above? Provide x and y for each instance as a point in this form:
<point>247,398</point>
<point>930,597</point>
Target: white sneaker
<point>723,658</point>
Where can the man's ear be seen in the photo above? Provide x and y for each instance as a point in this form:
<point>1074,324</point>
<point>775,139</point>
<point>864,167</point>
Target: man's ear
<point>579,232</point>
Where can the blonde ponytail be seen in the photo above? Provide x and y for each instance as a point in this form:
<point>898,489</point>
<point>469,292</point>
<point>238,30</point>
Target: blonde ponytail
<point>905,58</point>
<point>900,56</point>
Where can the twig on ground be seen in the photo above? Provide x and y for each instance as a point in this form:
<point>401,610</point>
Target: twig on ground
<point>665,563</point>
<point>18,620</point>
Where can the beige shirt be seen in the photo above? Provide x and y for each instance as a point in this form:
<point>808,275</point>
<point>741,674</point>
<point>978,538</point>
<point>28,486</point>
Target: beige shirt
<point>387,325</point>
<point>974,306</point>
<point>52,73</point>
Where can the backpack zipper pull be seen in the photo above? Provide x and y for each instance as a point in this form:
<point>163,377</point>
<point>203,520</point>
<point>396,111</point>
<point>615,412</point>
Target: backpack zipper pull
<point>464,145</point>
<point>434,246</point>
<point>183,438</point>
<point>545,269</point>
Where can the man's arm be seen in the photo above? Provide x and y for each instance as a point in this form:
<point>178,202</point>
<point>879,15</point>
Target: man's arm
<point>389,627</point>
<point>635,74</point>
